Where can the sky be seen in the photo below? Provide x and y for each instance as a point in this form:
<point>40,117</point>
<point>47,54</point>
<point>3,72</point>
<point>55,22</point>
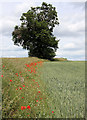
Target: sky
<point>70,31</point>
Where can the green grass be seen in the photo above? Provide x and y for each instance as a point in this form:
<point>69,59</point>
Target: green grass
<point>65,83</point>
<point>62,87</point>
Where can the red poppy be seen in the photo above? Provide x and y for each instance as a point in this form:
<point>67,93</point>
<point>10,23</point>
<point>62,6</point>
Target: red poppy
<point>22,97</point>
<point>34,80</point>
<point>31,71</point>
<point>52,111</point>
<point>3,66</point>
<point>1,75</point>
<point>10,80</point>
<point>23,107</point>
<point>38,91</point>
<point>23,85</point>
<point>28,107</point>
<point>28,66</point>
<point>20,88</point>
<point>36,100</point>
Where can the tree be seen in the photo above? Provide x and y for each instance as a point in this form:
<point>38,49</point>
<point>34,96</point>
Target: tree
<point>36,31</point>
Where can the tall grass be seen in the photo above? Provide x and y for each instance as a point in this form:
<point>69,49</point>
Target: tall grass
<point>65,84</point>
<point>53,90</point>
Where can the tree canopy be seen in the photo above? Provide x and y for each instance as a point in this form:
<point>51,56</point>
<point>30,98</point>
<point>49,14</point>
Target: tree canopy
<point>36,31</point>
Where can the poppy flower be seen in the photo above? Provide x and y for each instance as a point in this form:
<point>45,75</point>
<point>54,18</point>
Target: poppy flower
<point>38,91</point>
<point>3,66</point>
<point>23,107</point>
<point>52,111</point>
<point>22,97</point>
<point>20,88</point>
<point>28,66</point>
<point>1,75</point>
<point>23,85</point>
<point>10,80</point>
<point>36,100</point>
<point>28,107</point>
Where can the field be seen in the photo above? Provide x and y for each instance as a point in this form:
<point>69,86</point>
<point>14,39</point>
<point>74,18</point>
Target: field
<point>34,88</point>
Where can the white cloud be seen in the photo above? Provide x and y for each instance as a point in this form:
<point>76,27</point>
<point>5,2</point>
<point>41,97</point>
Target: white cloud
<point>7,25</point>
<point>73,55</point>
<point>77,27</point>
<point>69,46</point>
<point>44,0</point>
<point>14,54</point>
<point>24,7</point>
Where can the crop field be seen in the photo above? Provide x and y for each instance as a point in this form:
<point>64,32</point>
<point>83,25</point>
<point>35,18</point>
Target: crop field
<point>34,88</point>
<point>65,84</point>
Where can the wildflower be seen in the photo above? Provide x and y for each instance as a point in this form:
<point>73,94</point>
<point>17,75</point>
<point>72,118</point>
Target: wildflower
<point>23,85</point>
<point>20,88</point>
<point>22,97</point>
<point>28,66</point>
<point>28,107</point>
<point>38,91</point>
<point>34,80</point>
<point>35,64</point>
<point>23,107</point>
<point>1,75</point>
<point>36,100</point>
<point>52,111</point>
<point>3,66</point>
<point>10,80</point>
